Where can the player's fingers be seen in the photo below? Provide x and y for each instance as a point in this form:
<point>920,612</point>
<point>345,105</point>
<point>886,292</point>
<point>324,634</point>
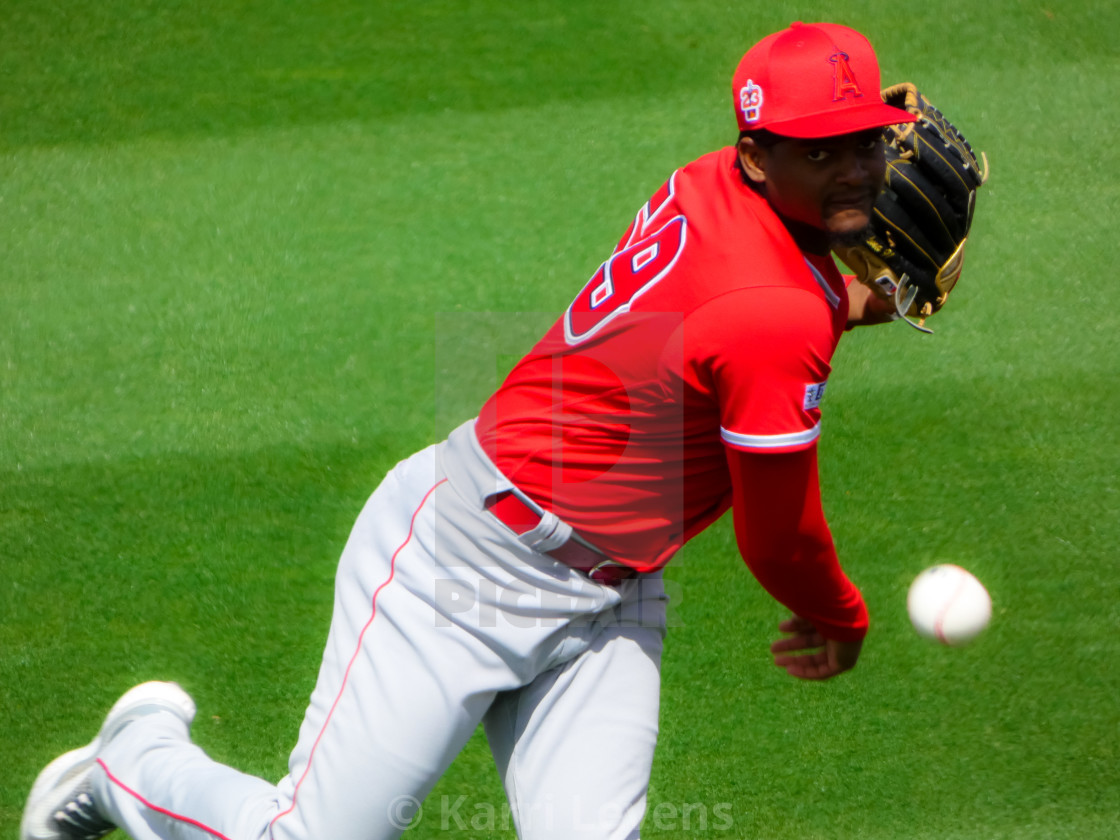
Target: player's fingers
<point>807,667</point>
<point>802,642</point>
<point>795,624</point>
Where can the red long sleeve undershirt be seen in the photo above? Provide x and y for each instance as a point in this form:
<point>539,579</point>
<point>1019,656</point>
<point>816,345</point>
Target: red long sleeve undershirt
<point>785,540</point>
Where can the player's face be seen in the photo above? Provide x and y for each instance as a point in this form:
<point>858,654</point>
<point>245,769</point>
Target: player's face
<point>829,184</point>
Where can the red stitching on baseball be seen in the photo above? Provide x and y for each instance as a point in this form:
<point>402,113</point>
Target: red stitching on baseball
<point>178,817</point>
<point>357,650</point>
<point>939,622</point>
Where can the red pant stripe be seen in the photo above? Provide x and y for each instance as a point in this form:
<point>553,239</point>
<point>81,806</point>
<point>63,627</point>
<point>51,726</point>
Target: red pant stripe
<point>357,650</point>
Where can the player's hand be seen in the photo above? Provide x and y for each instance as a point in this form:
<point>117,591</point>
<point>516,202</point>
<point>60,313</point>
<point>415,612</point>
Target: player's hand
<point>807,655</point>
<point>866,308</point>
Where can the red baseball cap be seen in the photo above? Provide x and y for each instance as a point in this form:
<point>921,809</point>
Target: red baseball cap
<point>812,80</point>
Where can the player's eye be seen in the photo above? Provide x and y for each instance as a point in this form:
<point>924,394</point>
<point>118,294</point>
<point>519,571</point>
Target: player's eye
<point>817,155</point>
<point>870,142</point>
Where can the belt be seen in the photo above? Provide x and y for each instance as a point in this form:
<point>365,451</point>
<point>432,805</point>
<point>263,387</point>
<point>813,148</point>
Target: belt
<point>519,517</point>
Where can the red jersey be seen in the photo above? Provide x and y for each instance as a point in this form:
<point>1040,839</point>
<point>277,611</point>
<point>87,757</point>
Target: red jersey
<point>706,328</point>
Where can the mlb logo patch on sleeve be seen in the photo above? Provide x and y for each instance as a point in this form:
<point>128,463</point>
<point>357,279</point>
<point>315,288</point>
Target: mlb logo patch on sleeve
<point>813,395</point>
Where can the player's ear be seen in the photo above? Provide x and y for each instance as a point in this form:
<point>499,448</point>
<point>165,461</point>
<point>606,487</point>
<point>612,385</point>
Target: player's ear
<point>753,158</point>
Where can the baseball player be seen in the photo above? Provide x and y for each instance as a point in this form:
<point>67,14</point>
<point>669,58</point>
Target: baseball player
<point>510,575</point>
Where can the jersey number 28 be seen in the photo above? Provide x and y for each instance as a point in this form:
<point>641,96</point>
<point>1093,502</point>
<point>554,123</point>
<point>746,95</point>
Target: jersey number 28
<point>641,260</point>
<point>622,279</point>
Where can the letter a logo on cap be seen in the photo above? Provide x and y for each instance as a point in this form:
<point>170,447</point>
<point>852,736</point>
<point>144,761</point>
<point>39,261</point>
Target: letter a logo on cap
<point>844,82</point>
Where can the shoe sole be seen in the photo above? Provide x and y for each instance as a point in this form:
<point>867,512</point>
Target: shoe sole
<point>59,779</point>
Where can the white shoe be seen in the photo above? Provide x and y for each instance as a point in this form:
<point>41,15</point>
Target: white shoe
<point>60,806</point>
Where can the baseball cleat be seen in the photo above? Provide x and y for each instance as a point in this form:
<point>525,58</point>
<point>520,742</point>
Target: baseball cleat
<point>60,805</point>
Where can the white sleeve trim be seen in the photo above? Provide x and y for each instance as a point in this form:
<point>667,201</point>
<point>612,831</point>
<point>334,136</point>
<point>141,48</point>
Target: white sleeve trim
<point>770,441</point>
<point>833,298</point>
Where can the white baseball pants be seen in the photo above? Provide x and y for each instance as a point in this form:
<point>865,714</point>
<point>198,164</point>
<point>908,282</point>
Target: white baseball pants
<point>442,619</point>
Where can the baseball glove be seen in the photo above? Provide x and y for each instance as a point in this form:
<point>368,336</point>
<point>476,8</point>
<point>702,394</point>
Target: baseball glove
<point>913,252</point>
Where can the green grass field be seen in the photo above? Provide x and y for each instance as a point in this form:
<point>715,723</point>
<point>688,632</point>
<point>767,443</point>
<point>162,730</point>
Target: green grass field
<point>253,253</point>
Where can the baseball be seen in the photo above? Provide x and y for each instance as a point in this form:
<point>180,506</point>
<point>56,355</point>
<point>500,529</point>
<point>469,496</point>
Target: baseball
<point>948,604</point>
